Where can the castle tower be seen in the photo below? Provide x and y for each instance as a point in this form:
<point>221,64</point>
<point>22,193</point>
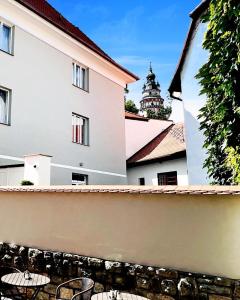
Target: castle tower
<point>151,99</point>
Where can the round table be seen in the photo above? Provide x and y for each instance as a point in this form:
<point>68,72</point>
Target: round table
<point>36,281</point>
<point>123,296</point>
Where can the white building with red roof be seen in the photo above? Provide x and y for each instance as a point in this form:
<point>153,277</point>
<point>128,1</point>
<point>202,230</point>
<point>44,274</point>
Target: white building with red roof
<point>55,86</point>
<point>156,152</point>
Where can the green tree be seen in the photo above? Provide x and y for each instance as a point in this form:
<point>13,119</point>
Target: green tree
<point>163,114</point>
<point>131,106</point>
<point>220,82</point>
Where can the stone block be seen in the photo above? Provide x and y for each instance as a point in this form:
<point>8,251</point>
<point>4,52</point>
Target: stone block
<point>167,273</point>
<point>23,251</point>
<point>50,289</point>
<point>222,281</point>
<point>13,249</point>
<point>95,263</point>
<point>162,297</point>
<point>151,271</point>
<point>7,259</point>
<point>42,296</point>
<point>213,289</point>
<point>143,283</point>
<point>156,284</point>
<point>203,296</point>
<point>100,275</point>
<point>119,280</point>
<point>130,269</point>
<point>237,291</point>
<point>168,287</point>
<point>66,293</point>
<point>187,287</point>
<point>205,279</point>
<point>114,267</point>
<point>98,288</point>
<point>217,297</point>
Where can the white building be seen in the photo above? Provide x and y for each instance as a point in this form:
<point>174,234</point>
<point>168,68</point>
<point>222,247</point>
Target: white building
<point>185,87</point>
<point>57,88</point>
<point>156,152</point>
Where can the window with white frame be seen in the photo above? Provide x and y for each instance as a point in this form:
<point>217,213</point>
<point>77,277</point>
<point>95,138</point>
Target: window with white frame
<point>80,130</point>
<point>4,106</point>
<point>80,76</point>
<point>79,179</point>
<point>5,37</point>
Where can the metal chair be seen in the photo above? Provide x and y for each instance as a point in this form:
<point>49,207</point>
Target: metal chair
<point>5,289</point>
<point>82,289</point>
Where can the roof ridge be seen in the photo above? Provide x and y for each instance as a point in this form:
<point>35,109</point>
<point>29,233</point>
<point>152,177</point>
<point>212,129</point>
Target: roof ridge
<point>46,11</point>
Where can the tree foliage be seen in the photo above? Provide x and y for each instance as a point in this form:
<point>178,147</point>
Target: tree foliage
<point>131,106</point>
<point>163,114</point>
<point>220,82</point>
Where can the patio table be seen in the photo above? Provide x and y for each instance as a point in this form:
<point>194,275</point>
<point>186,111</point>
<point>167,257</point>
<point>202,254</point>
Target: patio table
<point>35,281</point>
<point>123,296</point>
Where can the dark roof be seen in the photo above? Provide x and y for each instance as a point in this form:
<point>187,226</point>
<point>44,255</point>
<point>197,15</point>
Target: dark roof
<point>175,85</point>
<point>132,116</point>
<point>169,144</point>
<point>50,14</point>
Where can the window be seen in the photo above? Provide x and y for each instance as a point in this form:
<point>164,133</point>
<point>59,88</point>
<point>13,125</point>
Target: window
<point>5,38</point>
<point>80,130</point>
<point>80,76</point>
<point>4,106</point>
<point>169,178</point>
<point>141,181</point>
<point>79,179</point>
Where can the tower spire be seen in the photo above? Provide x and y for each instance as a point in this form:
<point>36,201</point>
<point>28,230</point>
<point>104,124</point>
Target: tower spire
<point>151,99</point>
<point>150,67</point>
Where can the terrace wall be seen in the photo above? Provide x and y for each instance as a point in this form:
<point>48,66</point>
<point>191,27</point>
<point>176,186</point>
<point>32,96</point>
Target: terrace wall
<point>146,233</point>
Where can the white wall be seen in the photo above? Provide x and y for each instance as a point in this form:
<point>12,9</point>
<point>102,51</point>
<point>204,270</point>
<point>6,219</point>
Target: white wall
<point>194,233</point>
<point>149,172</point>
<point>192,103</point>
<point>139,133</point>
<point>11,176</point>
<point>43,99</point>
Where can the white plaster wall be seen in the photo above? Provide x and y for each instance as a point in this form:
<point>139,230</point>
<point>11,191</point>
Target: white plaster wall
<point>149,172</point>
<point>192,103</point>
<point>140,133</point>
<point>194,233</point>
<point>11,176</point>
<point>43,99</point>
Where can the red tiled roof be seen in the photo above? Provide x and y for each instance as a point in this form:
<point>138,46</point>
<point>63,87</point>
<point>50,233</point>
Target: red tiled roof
<point>177,190</point>
<point>50,14</point>
<point>168,143</point>
<point>132,116</point>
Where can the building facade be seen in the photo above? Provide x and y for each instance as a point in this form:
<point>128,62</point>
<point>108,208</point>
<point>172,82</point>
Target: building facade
<point>156,152</point>
<point>185,87</point>
<point>151,100</point>
<point>54,90</point>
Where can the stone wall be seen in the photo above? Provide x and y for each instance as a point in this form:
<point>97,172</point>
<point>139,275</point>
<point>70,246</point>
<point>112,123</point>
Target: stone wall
<point>155,283</point>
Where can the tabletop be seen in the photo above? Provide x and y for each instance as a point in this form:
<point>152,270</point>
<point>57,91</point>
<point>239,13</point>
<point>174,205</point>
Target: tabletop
<point>18,279</point>
<point>123,296</point>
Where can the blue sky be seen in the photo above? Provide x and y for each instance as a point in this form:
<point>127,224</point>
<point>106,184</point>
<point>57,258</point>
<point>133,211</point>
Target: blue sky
<point>135,32</point>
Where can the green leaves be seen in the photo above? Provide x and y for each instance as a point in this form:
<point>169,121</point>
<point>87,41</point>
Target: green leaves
<point>220,82</point>
<point>131,106</point>
<point>163,113</point>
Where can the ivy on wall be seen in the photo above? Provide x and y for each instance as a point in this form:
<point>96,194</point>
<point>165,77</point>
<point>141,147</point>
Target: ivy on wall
<point>220,82</point>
